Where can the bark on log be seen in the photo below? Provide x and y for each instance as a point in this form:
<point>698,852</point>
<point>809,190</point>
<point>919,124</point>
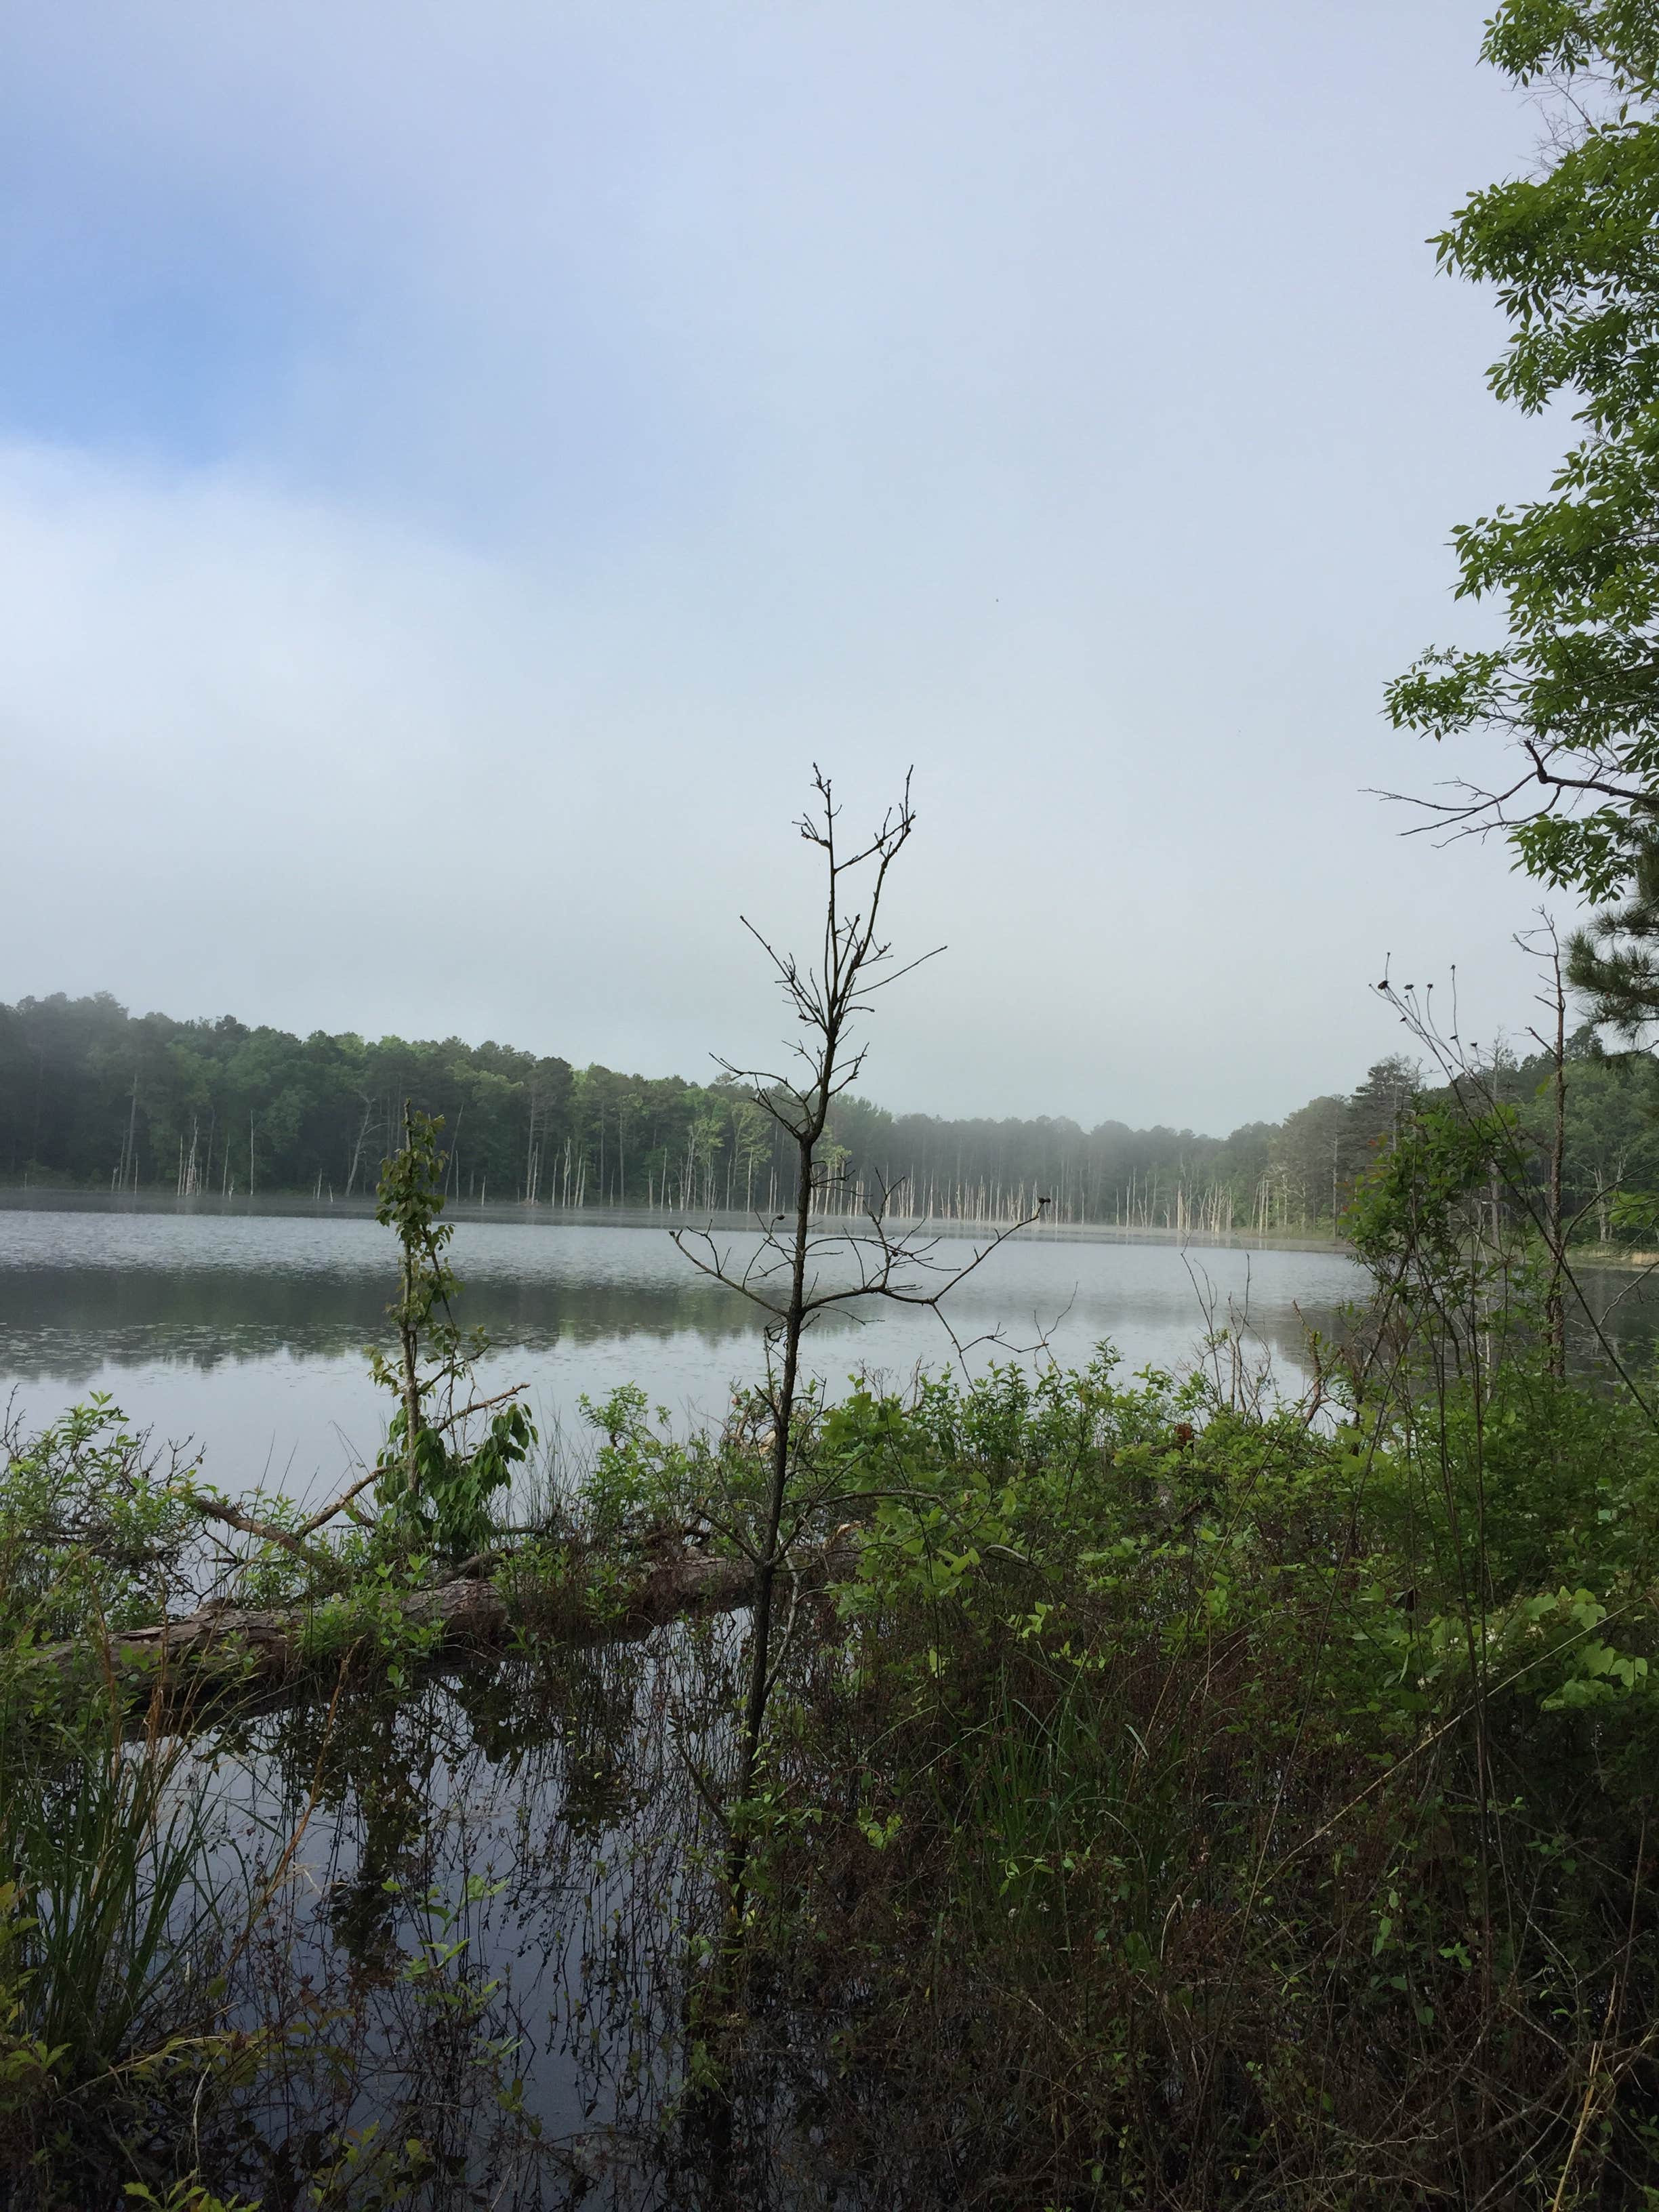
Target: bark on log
<point>259,1650</point>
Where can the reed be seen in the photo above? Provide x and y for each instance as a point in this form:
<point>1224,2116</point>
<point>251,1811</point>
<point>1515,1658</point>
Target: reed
<point>107,1844</point>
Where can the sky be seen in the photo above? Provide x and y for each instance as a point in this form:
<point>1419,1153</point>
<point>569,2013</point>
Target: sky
<point>461,466</point>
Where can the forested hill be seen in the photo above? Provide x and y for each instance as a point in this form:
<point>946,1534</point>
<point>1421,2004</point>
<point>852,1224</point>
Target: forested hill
<point>93,1097</point>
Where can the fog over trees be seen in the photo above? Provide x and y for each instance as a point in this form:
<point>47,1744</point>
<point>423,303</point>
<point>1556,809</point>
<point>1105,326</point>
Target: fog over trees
<point>95,1098</point>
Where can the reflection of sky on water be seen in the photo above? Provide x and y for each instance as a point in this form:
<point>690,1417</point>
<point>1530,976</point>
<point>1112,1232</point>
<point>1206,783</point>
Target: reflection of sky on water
<point>248,1333</point>
<point>564,1799</point>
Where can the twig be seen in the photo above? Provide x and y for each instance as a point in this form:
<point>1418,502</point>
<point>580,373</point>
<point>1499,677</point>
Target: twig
<point>266,1531</point>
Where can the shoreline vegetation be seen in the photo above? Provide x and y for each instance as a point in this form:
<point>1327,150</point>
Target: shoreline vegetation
<point>91,1098</point>
<point>95,1100</point>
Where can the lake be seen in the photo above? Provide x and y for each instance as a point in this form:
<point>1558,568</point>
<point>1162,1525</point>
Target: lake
<point>245,1334</point>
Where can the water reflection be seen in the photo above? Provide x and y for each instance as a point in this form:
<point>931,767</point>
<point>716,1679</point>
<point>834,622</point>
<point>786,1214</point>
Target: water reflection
<point>489,1920</point>
<point>1617,1318</point>
<point>247,1333</point>
<point>54,1317</point>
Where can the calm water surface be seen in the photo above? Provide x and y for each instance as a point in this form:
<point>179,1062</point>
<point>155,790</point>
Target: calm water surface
<point>245,1333</point>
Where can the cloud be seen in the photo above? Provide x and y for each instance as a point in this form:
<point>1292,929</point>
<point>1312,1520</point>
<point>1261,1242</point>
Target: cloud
<point>281,760</point>
<point>461,467</point>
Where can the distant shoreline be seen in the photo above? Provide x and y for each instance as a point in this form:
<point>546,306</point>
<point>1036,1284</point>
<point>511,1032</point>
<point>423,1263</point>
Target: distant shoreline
<point>515,1213</point>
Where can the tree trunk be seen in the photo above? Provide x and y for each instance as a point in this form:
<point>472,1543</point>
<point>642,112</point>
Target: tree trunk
<point>260,1649</point>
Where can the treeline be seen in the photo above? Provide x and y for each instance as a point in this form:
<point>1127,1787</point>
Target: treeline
<point>93,1097</point>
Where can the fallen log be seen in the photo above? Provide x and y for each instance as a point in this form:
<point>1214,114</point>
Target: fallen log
<point>221,1643</point>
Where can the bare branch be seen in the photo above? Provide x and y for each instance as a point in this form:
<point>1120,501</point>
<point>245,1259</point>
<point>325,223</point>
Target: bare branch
<point>465,1414</point>
<point>1598,784</point>
<point>266,1531</point>
<point>309,1528</point>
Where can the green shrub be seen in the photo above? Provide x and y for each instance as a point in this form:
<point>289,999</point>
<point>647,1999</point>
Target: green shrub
<point>1240,1809</point>
<point>93,1527</point>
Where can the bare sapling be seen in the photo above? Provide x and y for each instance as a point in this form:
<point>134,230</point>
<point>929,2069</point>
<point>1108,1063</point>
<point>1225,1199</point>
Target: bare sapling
<point>813,1258</point>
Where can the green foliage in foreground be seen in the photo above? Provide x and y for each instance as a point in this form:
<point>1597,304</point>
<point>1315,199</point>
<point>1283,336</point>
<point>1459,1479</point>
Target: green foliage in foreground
<point>1503,1543</point>
<point>92,1530</point>
<point>1243,1812</point>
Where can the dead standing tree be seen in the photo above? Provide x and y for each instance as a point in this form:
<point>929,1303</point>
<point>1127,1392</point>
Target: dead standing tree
<point>786,1276</point>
